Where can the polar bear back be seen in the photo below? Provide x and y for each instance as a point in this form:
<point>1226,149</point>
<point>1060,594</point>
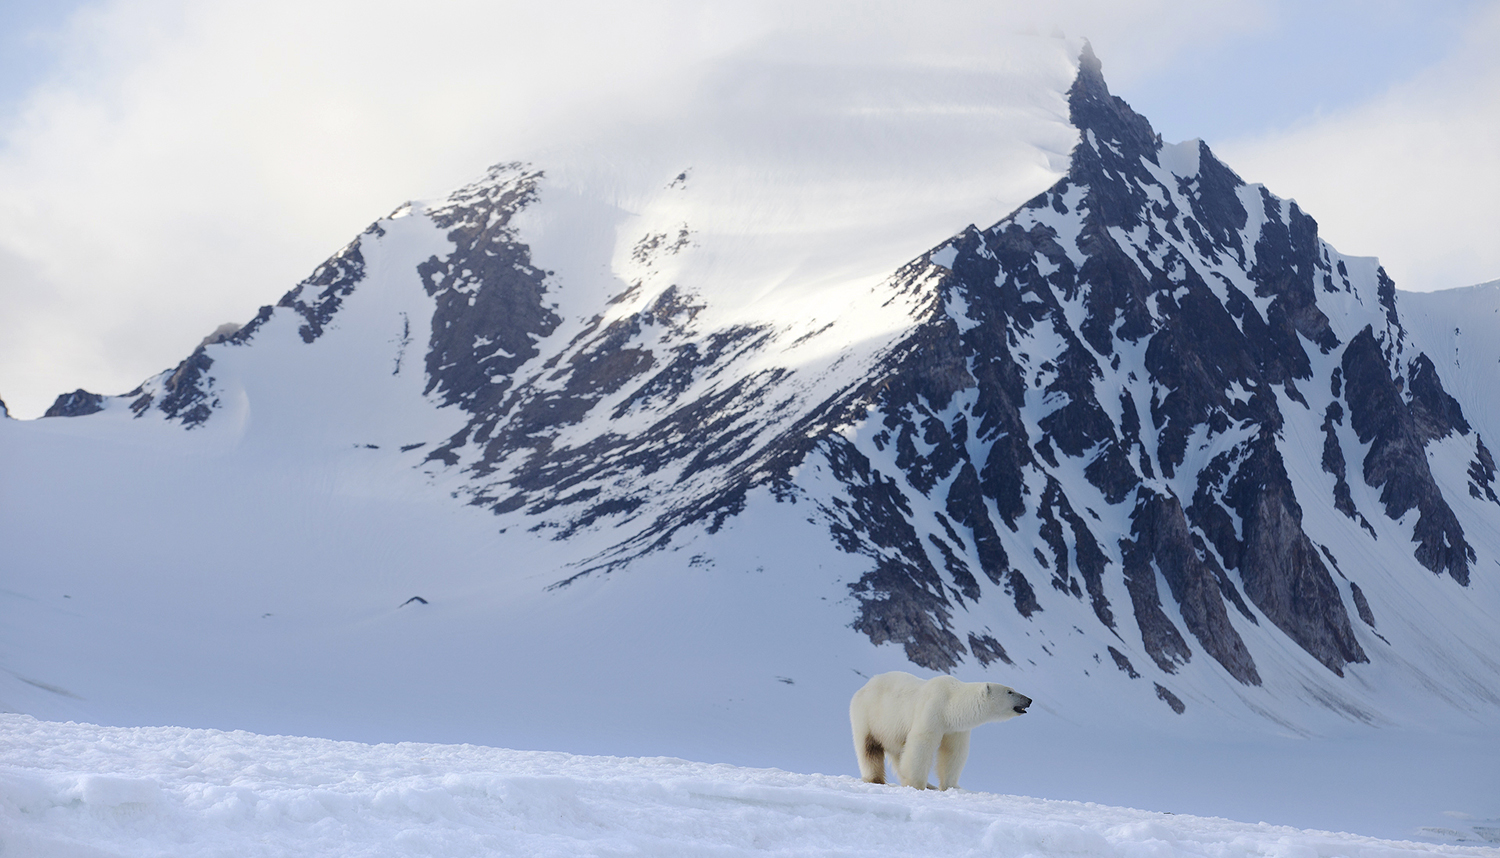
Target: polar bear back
<point>888,705</point>
<point>891,705</point>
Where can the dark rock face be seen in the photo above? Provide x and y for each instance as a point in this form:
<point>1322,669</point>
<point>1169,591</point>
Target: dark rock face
<point>1362,605</point>
<point>483,355</point>
<point>902,599</point>
<point>1333,463</point>
<point>1123,663</point>
<point>491,301</point>
<point>1161,537</point>
<point>1398,432</point>
<point>1482,473</point>
<point>319,297</point>
<point>1284,574</point>
<point>1170,699</point>
<point>75,404</point>
<point>185,392</point>
<point>986,649</point>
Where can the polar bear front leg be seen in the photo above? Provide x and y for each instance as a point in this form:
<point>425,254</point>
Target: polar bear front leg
<point>916,757</point>
<point>951,756</point>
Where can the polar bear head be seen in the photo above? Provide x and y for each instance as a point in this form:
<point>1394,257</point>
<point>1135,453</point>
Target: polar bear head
<point>1003,702</point>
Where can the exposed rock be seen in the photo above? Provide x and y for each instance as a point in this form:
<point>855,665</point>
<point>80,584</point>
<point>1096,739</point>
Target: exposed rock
<point>1214,359</point>
<point>986,649</point>
<point>1396,463</point>
<point>1333,463</point>
<point>902,599</point>
<point>186,392</point>
<point>76,404</point>
<point>1482,473</point>
<point>1161,538</point>
<point>1170,698</point>
<point>1283,573</point>
<point>491,301</point>
<point>1361,605</point>
<point>1123,663</point>
<point>321,295</point>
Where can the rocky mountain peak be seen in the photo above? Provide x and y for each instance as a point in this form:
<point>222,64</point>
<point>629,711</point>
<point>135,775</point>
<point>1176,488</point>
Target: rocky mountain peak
<point>1135,345</point>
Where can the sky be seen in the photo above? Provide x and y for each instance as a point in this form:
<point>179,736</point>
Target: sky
<point>168,165</point>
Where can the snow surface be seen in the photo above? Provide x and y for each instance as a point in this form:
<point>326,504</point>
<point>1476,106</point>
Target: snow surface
<point>81,790</point>
<point>1459,329</point>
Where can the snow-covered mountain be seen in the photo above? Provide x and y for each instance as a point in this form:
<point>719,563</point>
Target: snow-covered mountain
<point>710,440</point>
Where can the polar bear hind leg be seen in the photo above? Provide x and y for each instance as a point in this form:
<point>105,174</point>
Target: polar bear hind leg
<point>871,759</point>
<point>868,747</point>
<point>951,756</point>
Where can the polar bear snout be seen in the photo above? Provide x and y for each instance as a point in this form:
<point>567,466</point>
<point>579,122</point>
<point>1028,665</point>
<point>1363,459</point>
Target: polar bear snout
<point>1021,702</point>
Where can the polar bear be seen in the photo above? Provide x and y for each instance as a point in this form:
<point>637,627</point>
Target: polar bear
<point>913,719</point>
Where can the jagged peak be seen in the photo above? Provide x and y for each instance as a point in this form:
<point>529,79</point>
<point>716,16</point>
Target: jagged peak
<point>1090,71</point>
<point>1093,108</point>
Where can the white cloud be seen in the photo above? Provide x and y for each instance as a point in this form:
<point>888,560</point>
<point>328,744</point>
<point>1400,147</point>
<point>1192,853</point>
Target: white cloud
<point>192,160</point>
<point>198,159</point>
<point>1412,177</point>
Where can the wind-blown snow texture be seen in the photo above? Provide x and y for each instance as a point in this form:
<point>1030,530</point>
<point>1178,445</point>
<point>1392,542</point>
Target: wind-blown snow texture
<point>68,789</point>
<point>1147,450</point>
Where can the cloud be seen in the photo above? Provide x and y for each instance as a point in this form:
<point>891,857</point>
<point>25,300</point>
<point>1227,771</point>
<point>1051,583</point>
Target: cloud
<point>190,161</point>
<point>1410,176</point>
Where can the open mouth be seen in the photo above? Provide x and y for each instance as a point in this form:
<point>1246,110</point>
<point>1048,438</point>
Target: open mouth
<point>1021,710</point>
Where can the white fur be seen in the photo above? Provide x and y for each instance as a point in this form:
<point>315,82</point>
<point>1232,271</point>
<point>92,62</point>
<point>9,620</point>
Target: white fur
<point>914,720</point>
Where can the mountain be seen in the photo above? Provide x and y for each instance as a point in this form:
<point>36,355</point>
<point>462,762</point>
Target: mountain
<point>1146,448</point>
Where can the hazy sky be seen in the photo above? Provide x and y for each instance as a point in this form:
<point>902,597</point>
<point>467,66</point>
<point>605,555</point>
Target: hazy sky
<point>169,165</point>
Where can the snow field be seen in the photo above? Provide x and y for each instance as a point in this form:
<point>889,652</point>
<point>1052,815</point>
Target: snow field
<point>77,789</point>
